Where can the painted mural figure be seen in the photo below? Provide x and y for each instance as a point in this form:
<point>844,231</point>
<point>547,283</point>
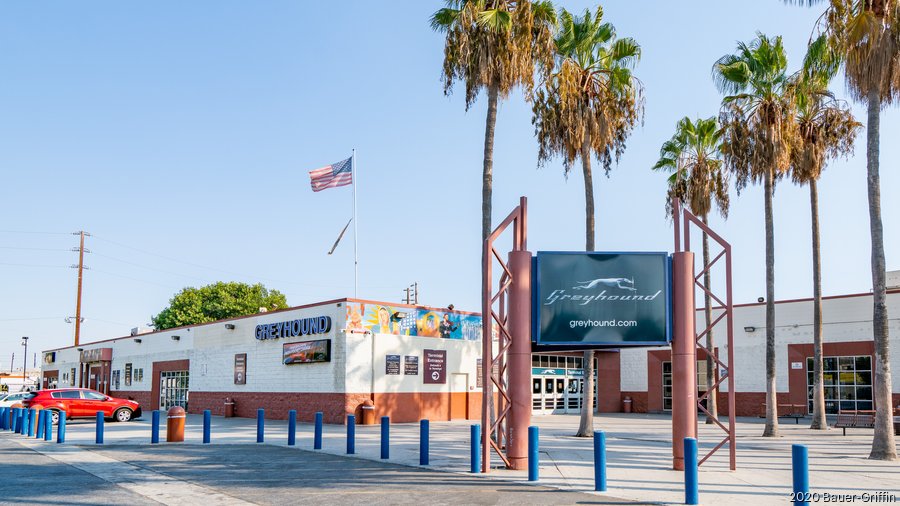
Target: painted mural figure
<point>447,327</point>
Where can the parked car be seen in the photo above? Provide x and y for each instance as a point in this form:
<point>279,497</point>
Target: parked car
<point>84,403</point>
<point>15,399</point>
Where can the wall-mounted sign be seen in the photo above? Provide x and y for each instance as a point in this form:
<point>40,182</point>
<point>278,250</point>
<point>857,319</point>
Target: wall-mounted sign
<point>796,365</point>
<point>49,357</point>
<point>411,365</point>
<point>97,355</point>
<point>435,367</point>
<point>604,299</point>
<point>392,364</point>
<point>306,352</point>
<point>240,368</point>
<point>294,328</point>
<point>128,374</point>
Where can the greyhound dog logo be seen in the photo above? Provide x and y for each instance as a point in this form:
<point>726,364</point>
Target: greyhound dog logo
<point>622,283</point>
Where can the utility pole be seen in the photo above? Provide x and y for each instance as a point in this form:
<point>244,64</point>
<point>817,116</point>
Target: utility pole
<point>12,361</point>
<point>412,294</point>
<point>81,251</point>
<point>24,360</point>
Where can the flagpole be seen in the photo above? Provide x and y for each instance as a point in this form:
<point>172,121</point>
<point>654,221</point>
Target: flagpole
<point>354,179</point>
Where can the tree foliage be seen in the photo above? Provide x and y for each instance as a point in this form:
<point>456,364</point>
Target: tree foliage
<point>495,43</point>
<point>592,97</point>
<point>193,306</point>
<point>692,157</point>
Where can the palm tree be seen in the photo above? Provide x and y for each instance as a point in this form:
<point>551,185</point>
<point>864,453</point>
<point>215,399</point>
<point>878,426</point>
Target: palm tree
<point>826,130</point>
<point>866,33</point>
<point>698,179</point>
<point>587,107</point>
<point>758,129</point>
<point>494,45</point>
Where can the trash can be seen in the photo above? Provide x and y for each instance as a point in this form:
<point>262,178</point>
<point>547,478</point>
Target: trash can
<point>229,407</point>
<point>626,405</point>
<point>368,413</point>
<point>175,424</point>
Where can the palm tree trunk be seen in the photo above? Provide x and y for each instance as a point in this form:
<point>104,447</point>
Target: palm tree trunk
<point>883,446</point>
<point>818,418</point>
<point>711,404</point>
<point>771,429</point>
<point>586,425</point>
<point>488,173</point>
<point>486,196</point>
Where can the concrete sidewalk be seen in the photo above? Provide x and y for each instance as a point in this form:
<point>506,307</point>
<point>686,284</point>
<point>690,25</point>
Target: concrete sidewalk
<point>639,455</point>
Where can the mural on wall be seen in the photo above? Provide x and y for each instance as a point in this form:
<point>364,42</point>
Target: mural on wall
<point>415,322</point>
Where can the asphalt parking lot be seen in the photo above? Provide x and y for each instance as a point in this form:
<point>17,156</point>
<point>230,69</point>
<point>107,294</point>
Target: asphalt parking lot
<point>242,474</point>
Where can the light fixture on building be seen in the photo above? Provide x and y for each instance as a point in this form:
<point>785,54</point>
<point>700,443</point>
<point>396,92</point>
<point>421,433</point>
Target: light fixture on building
<point>137,340</point>
<point>398,315</point>
<point>176,338</point>
<point>760,299</point>
<point>450,307</point>
<point>80,349</point>
<point>229,326</point>
<point>749,329</point>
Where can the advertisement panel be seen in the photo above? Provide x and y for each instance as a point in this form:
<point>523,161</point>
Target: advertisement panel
<point>240,368</point>
<point>602,299</point>
<point>307,352</point>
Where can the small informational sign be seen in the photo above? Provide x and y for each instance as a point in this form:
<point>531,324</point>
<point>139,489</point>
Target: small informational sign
<point>411,365</point>
<point>796,365</point>
<point>392,365</point>
<point>435,367</point>
<point>128,375</point>
<point>240,368</point>
<point>307,352</point>
<point>479,375</point>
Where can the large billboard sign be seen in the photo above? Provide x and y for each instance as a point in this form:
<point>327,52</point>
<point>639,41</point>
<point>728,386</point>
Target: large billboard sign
<point>602,299</point>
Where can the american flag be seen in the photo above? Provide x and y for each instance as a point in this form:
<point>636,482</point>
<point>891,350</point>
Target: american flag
<point>332,176</point>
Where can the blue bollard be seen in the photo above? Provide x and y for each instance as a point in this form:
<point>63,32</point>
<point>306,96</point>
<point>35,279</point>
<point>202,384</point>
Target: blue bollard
<point>351,434</point>
<point>260,425</point>
<point>99,438</point>
<point>154,427</point>
<point>423,442</point>
<point>532,453</point>
<point>61,428</point>
<point>22,419</point>
<point>800,464</point>
<point>207,423</point>
<point>599,461</point>
<point>39,430</point>
<point>14,426</point>
<point>475,449</point>
<point>3,418</point>
<point>292,427</point>
<point>32,414</point>
<point>691,481</point>
<point>385,437</point>
<point>48,427</point>
<point>317,438</point>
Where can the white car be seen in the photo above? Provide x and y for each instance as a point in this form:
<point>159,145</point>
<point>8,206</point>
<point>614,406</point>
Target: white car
<point>7,400</point>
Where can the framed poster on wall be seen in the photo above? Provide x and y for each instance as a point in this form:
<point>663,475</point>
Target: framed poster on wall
<point>240,369</point>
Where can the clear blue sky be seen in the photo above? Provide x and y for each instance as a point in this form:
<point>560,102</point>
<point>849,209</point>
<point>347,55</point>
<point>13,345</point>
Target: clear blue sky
<point>180,135</point>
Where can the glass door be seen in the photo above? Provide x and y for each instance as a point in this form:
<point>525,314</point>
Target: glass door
<point>173,389</point>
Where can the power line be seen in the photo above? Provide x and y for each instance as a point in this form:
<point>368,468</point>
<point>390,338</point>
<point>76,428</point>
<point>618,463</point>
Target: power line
<point>32,232</point>
<point>32,249</point>
<point>32,265</point>
<point>148,267</point>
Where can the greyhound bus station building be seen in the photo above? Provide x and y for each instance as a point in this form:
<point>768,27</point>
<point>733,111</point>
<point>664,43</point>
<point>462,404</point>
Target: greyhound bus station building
<point>414,362</point>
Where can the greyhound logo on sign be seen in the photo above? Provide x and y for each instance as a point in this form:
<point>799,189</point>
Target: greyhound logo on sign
<point>616,282</point>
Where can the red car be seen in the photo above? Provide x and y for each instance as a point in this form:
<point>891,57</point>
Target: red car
<point>84,403</point>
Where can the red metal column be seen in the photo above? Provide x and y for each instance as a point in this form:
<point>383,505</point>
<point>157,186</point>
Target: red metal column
<point>684,356</point>
<point>519,358</point>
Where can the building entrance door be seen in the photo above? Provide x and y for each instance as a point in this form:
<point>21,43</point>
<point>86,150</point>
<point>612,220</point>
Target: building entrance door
<point>173,389</point>
<point>93,377</point>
